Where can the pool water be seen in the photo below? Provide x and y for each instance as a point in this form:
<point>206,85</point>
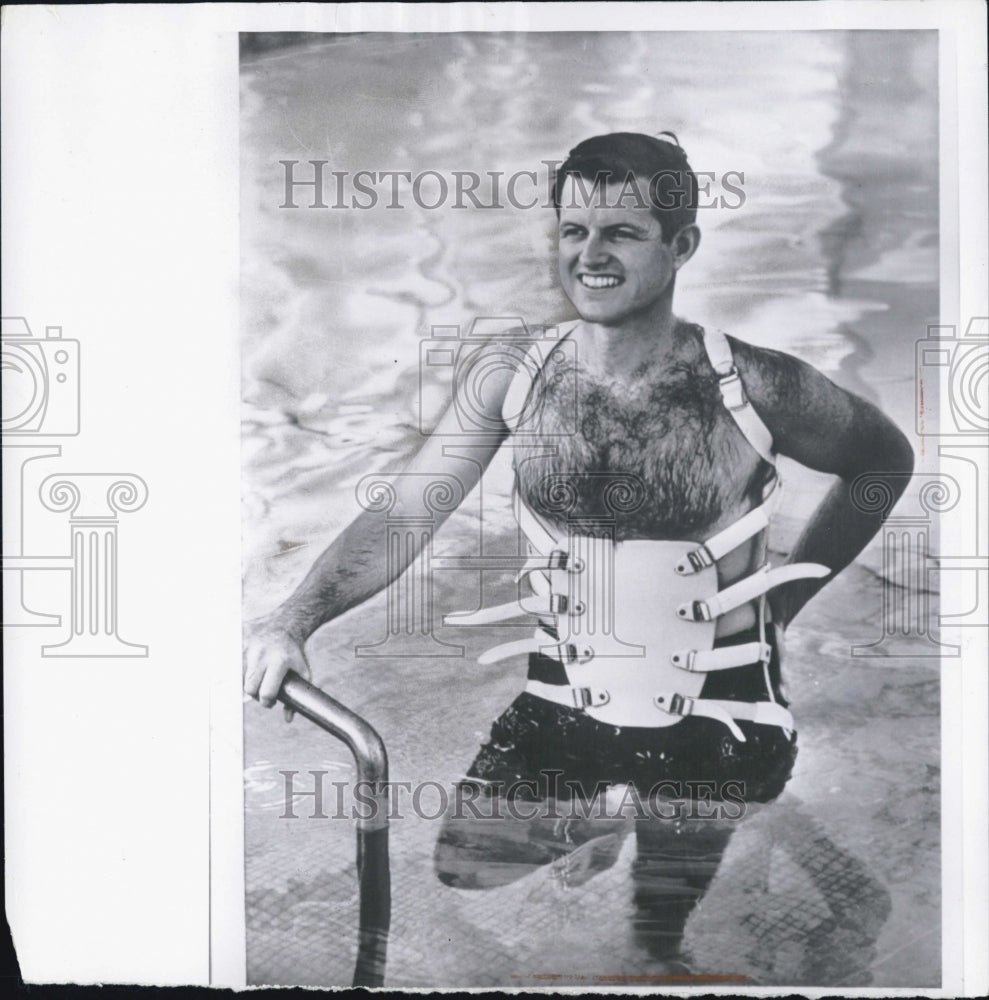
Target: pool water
<point>833,256</point>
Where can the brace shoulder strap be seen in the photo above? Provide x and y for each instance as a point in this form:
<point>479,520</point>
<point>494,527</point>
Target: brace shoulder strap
<point>733,394</point>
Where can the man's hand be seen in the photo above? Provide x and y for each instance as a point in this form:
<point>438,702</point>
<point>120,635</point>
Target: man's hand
<point>270,652</point>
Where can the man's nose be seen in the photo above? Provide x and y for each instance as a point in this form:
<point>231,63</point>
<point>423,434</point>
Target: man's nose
<point>594,253</point>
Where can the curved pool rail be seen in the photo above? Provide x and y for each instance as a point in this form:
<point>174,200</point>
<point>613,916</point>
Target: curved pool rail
<point>372,827</point>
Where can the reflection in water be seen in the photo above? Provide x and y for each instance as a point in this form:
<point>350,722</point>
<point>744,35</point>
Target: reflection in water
<point>789,906</point>
<point>674,865</point>
<point>820,910</point>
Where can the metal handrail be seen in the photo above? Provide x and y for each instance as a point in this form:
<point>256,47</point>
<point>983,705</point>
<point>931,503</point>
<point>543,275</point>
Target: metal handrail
<point>372,827</point>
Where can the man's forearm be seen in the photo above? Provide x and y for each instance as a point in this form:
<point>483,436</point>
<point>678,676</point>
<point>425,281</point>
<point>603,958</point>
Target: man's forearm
<point>838,531</point>
<point>350,571</point>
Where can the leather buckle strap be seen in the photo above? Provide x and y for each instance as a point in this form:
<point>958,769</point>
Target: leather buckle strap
<point>557,604</point>
<point>748,589</point>
<point>703,661</point>
<point>521,647</point>
<point>695,611</point>
<point>723,542</point>
<point>557,559</point>
<point>695,560</point>
<point>763,713</point>
<point>569,697</point>
<point>674,703</point>
<point>569,652</point>
<point>586,697</point>
<point>733,394</point>
<point>542,642</point>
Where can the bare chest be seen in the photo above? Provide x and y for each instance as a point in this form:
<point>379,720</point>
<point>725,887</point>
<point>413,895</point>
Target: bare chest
<point>656,455</point>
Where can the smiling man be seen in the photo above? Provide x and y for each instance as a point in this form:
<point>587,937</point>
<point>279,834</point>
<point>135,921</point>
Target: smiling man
<point>656,663</point>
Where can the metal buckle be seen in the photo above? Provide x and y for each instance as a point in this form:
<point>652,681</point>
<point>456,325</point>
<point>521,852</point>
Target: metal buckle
<point>696,560</point>
<point>681,705</point>
<point>569,653</point>
<point>688,655</point>
<point>697,611</point>
<point>557,559</point>
<point>729,379</point>
<point>584,698</point>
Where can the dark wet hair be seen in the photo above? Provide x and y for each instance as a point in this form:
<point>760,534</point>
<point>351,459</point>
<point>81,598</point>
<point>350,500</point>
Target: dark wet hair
<point>672,193</point>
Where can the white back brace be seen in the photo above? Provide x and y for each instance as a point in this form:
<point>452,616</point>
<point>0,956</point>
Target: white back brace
<point>635,621</point>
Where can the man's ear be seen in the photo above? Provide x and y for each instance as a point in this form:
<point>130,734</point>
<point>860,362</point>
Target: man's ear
<point>685,245</point>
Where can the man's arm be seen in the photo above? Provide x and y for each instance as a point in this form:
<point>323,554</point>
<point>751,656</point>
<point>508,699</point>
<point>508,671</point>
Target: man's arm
<point>354,568</point>
<point>828,429</point>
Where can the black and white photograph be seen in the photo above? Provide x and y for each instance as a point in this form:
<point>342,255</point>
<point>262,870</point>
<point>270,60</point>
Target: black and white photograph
<point>536,326</point>
<point>492,496</point>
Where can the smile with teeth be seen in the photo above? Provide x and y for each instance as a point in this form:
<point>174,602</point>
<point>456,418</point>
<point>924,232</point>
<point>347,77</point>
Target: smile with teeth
<point>599,280</point>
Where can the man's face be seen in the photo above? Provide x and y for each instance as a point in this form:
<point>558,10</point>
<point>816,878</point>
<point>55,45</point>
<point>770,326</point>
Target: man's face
<point>614,264</point>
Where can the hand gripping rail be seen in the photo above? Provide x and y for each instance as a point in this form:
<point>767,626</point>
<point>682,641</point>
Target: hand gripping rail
<point>372,832</point>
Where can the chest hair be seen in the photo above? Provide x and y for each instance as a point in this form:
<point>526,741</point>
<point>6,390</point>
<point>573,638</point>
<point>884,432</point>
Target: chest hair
<point>663,436</point>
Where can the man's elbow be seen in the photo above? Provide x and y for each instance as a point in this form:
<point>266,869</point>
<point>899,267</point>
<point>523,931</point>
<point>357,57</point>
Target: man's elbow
<point>899,454</point>
<point>884,451</point>
<point>890,461</point>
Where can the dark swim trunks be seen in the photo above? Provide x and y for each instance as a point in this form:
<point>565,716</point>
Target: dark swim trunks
<point>534,737</point>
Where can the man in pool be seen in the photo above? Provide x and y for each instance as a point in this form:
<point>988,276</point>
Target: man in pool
<point>657,660</point>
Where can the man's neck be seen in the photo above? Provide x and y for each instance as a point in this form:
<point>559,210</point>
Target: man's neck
<point>619,350</point>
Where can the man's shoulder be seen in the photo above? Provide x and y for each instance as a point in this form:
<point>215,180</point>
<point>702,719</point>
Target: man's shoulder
<point>770,376</point>
<point>788,392</point>
<point>502,359</point>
